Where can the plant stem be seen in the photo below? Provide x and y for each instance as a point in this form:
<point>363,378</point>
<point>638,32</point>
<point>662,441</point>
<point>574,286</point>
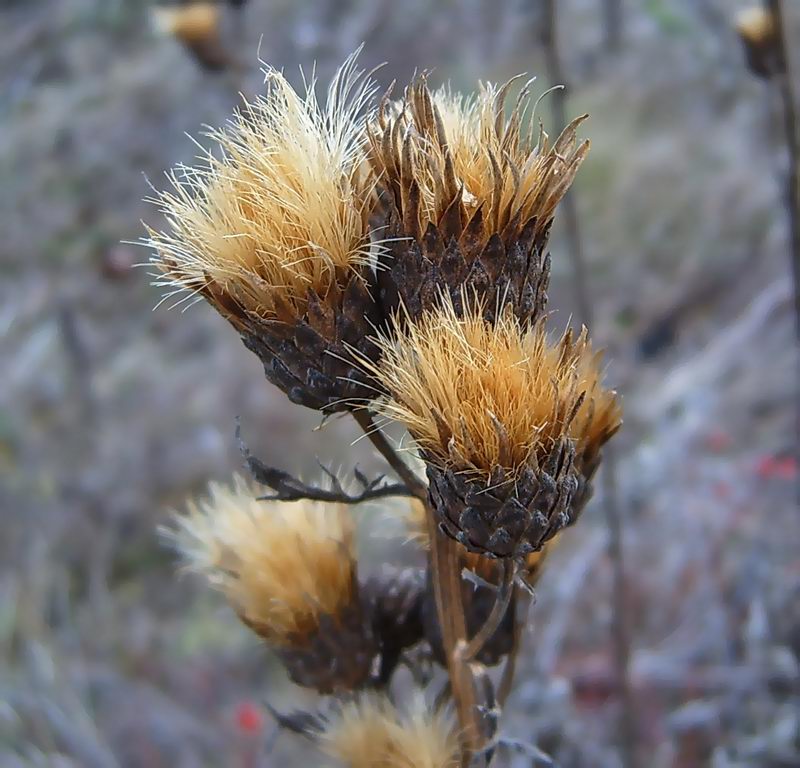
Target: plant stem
<point>621,638</point>
<point>446,577</point>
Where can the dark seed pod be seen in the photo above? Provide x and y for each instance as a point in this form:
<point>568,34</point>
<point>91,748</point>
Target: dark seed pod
<point>312,358</point>
<point>508,517</point>
<point>396,599</point>
<point>338,656</point>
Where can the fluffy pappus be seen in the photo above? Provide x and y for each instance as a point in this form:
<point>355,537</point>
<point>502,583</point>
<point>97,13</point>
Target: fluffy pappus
<point>441,149</point>
<point>282,565</point>
<point>476,396</point>
<point>281,211</point>
<point>371,732</point>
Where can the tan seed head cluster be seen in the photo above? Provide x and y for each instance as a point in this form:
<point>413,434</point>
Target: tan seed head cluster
<point>280,564</point>
<point>476,396</point>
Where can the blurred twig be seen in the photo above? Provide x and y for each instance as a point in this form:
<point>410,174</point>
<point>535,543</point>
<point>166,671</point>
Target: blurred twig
<point>289,488</point>
<point>789,95</point>
<point>611,504</point>
<point>612,24</point>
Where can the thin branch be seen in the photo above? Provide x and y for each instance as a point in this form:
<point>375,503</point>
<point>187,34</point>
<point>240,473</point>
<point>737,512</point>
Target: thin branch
<point>286,487</point>
<point>791,125</point>
<point>468,651</point>
<point>621,637</point>
<point>413,485</point>
<point>555,75</point>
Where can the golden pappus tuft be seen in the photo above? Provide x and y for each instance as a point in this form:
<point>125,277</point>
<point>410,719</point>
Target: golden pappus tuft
<point>289,571</point>
<point>470,195</point>
<point>274,233</point>
<point>510,426</point>
<point>372,733</point>
<point>197,26</point>
<point>758,32</point>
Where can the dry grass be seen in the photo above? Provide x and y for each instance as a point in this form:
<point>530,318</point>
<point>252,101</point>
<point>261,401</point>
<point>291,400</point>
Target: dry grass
<point>478,396</point>
<point>283,210</point>
<point>372,733</point>
<point>454,145</point>
<point>281,564</point>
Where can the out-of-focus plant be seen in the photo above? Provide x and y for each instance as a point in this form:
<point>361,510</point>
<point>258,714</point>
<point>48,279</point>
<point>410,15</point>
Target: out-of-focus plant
<point>390,259</point>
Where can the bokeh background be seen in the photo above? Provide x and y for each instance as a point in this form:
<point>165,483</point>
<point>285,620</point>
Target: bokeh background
<point>112,413</point>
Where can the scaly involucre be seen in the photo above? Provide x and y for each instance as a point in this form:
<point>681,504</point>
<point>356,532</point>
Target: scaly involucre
<point>280,564</point>
<point>446,155</point>
<point>372,733</point>
<point>476,396</point>
<point>282,211</point>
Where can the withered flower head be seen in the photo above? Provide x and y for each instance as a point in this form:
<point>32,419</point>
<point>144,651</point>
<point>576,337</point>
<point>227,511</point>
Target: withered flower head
<point>759,35</point>
<point>509,425</point>
<point>289,571</point>
<point>197,26</point>
<point>274,233</point>
<point>470,195</point>
<point>372,733</point>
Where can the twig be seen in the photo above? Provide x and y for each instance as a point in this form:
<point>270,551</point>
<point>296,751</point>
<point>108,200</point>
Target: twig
<point>413,484</point>
<point>791,126</point>
<point>619,625</point>
<point>468,651</point>
<point>289,488</point>
<point>555,75</point>
<point>627,719</point>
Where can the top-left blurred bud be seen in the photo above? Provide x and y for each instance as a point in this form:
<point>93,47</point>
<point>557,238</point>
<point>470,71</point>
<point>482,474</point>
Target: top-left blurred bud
<point>273,231</point>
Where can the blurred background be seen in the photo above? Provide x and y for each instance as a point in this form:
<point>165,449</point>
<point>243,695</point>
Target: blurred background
<point>112,413</point>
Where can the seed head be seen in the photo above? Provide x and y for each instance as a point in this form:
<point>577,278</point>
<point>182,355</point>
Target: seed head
<point>510,425</point>
<point>477,397</point>
<point>274,232</point>
<point>372,733</point>
<point>471,194</point>
<point>280,564</point>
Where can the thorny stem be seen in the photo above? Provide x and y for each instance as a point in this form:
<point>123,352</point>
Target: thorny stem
<point>621,638</point>
<point>286,487</point>
<point>468,651</point>
<point>446,577</point>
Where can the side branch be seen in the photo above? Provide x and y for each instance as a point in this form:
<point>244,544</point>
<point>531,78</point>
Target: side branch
<point>286,487</point>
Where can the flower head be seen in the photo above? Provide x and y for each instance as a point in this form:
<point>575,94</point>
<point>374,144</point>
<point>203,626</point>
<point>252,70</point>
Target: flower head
<point>372,733</point>
<point>274,231</point>
<point>471,194</point>
<point>280,564</point>
<point>509,424</point>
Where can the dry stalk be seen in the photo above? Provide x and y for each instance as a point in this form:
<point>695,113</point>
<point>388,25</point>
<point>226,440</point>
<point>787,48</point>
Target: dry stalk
<point>621,637</point>
<point>446,574</point>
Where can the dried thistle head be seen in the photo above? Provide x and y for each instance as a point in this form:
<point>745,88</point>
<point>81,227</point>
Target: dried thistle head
<point>197,26</point>
<point>289,571</point>
<point>508,424</point>
<point>372,733</point>
<point>274,232</point>
<point>758,32</point>
<point>473,193</point>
